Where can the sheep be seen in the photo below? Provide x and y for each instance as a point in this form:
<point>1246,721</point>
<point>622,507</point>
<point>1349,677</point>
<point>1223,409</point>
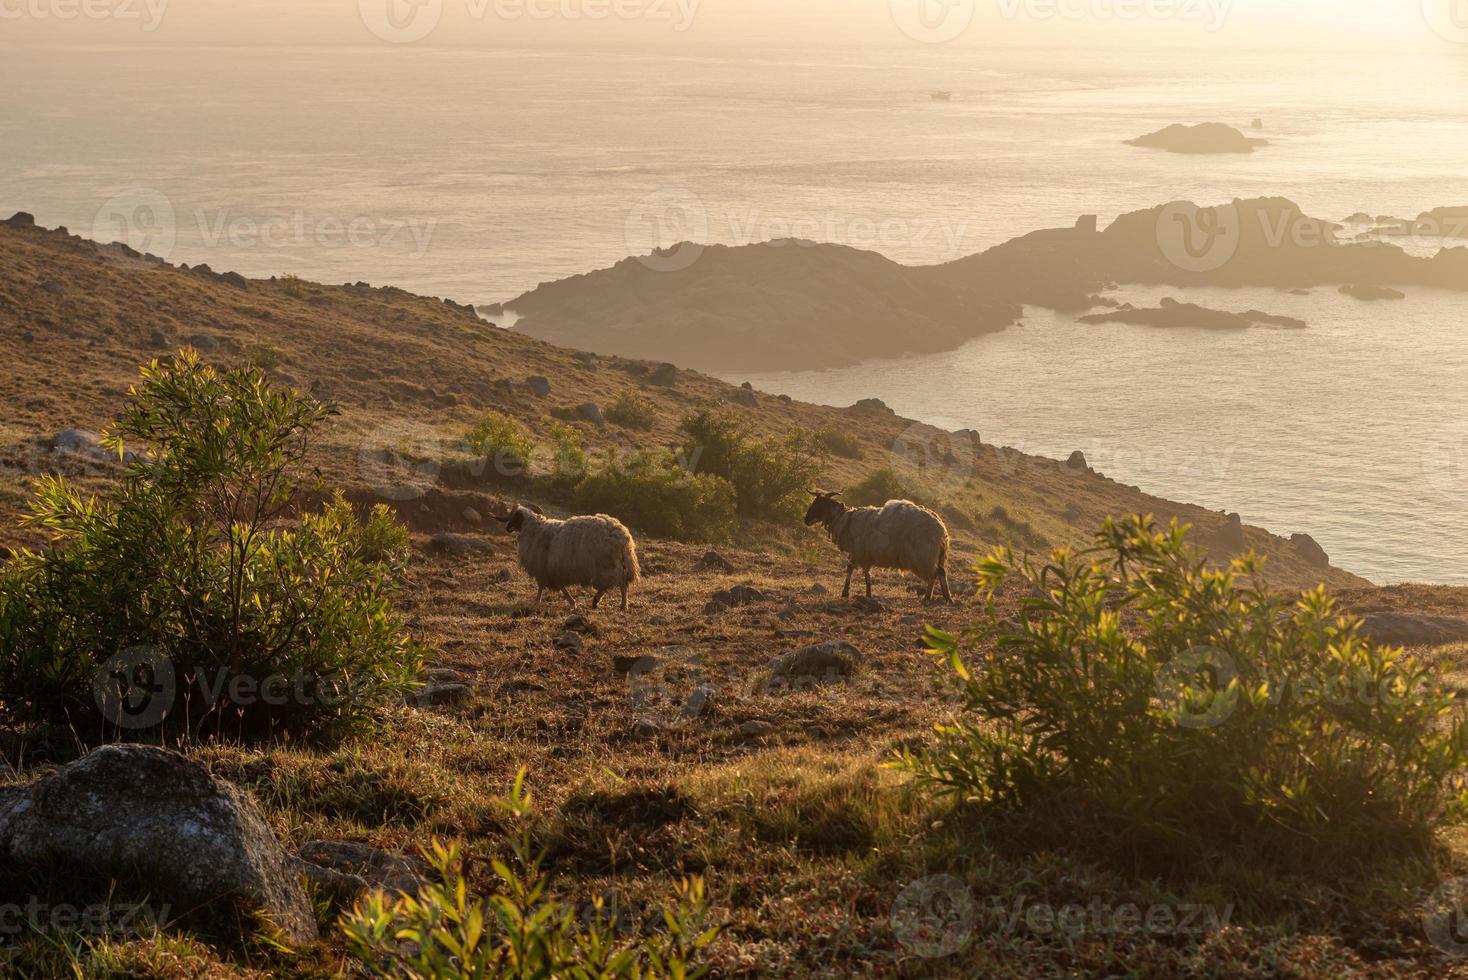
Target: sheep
<point>900,535</point>
<point>597,552</point>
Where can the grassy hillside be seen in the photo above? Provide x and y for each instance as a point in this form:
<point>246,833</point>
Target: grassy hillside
<point>809,848</point>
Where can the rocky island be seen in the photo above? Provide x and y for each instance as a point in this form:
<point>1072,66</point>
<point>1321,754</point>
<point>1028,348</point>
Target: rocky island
<point>1202,138</point>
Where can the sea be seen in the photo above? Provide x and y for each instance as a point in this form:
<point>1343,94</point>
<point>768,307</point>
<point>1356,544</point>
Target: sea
<point>477,173</point>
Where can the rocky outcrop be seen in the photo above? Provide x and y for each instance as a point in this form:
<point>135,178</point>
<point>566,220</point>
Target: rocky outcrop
<point>156,820</point>
<point>1203,138</point>
<point>1173,314</point>
<point>1372,294</point>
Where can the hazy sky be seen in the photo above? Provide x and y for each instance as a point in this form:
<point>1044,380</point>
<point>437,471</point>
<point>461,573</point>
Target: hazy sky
<point>1244,23</point>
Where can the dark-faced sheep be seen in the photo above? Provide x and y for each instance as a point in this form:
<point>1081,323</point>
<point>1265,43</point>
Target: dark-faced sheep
<point>899,535</point>
<point>593,552</point>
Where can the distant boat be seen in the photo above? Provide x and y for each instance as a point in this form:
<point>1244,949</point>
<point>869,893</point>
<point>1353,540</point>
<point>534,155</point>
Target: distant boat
<point>941,96</point>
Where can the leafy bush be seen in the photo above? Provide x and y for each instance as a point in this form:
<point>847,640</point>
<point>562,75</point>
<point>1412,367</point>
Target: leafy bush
<point>570,464</point>
<point>500,440</point>
<point>183,595</point>
<point>770,478</point>
<point>878,487</point>
<point>838,443</point>
<point>651,493</point>
<point>633,411</point>
<point>447,933</point>
<point>1142,698</point>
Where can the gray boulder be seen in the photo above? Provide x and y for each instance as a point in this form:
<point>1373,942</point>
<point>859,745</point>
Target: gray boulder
<point>459,544</point>
<point>824,661</point>
<point>151,816</point>
<point>591,412</point>
<point>538,385</point>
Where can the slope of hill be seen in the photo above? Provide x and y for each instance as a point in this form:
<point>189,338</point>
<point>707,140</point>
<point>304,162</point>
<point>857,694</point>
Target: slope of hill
<point>776,796</point>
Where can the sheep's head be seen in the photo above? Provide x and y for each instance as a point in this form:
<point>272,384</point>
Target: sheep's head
<point>513,520</point>
<point>825,508</point>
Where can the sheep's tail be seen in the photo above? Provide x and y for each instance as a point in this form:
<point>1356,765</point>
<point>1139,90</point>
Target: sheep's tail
<point>631,568</point>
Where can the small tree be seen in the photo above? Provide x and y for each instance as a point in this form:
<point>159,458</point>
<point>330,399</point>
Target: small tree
<point>183,598</point>
<point>770,477</point>
<point>1139,696</point>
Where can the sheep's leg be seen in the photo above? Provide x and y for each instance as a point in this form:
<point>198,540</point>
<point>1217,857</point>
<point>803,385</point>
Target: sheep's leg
<point>928,595</point>
<point>868,573</point>
<point>624,598</point>
<point>943,578</point>
<point>846,590</point>
<point>539,594</point>
<point>569,597</point>
<point>596,599</point>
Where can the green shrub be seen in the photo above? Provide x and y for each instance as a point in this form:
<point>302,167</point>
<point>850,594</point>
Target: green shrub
<point>185,595</point>
<point>770,478</point>
<point>652,494</point>
<point>633,411</point>
<point>501,441</point>
<point>569,465</point>
<point>838,443</point>
<point>1139,698</point>
<point>446,932</point>
<point>878,487</point>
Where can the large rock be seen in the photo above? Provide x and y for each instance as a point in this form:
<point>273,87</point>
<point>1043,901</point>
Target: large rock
<point>1372,294</point>
<point>1310,550</point>
<point>824,661</point>
<point>155,818</point>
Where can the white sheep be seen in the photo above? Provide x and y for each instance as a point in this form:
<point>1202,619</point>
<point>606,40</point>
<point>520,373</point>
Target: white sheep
<point>597,552</point>
<point>899,535</point>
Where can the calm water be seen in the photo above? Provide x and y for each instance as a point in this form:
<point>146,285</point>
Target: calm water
<point>478,173</point>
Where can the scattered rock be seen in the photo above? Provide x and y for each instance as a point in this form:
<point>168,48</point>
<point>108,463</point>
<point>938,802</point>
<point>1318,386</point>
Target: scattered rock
<point>579,624</point>
<point>569,642</point>
<point>538,385</point>
<point>646,728</point>
<point>472,516</point>
<point>235,279</point>
<point>872,405</point>
<point>1077,463</point>
<point>53,287</point>
<point>715,562</point>
<point>591,412</point>
<point>664,374</point>
<point>756,729</point>
<point>868,604</point>
<point>504,575</point>
<point>439,695</point>
<point>644,664</point>
<point>824,661</point>
<point>700,702</point>
<point>28,337</point>
<point>739,595</point>
<point>818,589</point>
<point>745,397</point>
<point>442,675</point>
<point>459,544</point>
<point>1310,550</point>
<point>1371,294</point>
<point>204,343</point>
<point>345,870</point>
<point>152,816</point>
<point>659,621</point>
